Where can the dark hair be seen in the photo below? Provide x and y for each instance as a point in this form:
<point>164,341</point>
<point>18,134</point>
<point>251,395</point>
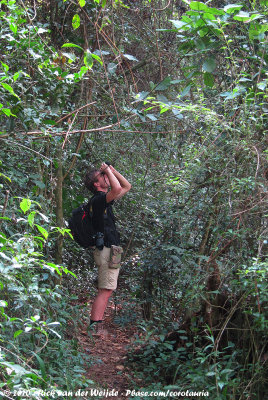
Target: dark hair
<point>90,178</point>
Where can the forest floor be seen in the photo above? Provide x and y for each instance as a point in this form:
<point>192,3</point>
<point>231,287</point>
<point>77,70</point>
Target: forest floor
<point>108,349</point>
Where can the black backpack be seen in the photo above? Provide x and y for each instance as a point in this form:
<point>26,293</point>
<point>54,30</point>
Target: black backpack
<point>81,225</point>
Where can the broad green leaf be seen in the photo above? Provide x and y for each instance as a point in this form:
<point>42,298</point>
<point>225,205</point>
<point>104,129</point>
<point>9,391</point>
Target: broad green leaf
<point>262,85</point>
<point>237,91</point>
<point>88,59</point>
<point>176,81</point>
<point>25,205</point>
<point>164,109</point>
<point>54,267</point>
<point>13,27</point>
<point>40,184</point>
<point>180,24</point>
<point>9,88</point>
<point>97,58</point>
<point>35,318</point>
<point>31,218</point>
<point>141,95</point>
<point>214,11</point>
<point>42,366</point>
<point>231,8</point>
<point>76,21</point>
<point>3,303</point>
<point>130,57</point>
<point>185,91</point>
<point>257,29</point>
<point>17,333</point>
<point>254,17</point>
<point>208,79</point>
<point>198,6</point>
<point>16,75</point>
<point>242,16</point>
<point>203,32</point>
<point>42,230</point>
<point>164,84</point>
<point>71,57</point>
<point>18,369</point>
<point>72,45</point>
<point>200,44</point>
<point>209,65</point>
<point>41,30</point>
<point>7,112</point>
<point>82,3</point>
<point>5,66</point>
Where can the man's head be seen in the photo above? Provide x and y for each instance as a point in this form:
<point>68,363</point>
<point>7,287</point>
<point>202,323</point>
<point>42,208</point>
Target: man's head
<point>96,181</point>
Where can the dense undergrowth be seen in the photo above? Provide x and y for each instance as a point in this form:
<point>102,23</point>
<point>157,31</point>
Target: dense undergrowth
<point>39,318</point>
<point>176,99</point>
<point>227,361</point>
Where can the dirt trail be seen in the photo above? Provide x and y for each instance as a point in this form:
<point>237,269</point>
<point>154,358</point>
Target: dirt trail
<point>108,348</point>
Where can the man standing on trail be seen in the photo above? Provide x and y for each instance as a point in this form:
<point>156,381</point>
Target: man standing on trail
<point>107,185</point>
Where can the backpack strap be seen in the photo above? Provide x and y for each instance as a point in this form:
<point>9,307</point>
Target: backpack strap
<point>90,209</point>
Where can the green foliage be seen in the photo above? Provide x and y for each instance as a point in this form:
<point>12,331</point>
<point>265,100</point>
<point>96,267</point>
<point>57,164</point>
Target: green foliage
<point>34,311</point>
<point>175,97</point>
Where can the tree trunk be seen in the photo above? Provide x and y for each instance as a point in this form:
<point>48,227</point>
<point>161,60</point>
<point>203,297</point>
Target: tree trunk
<point>59,206</point>
<point>148,294</point>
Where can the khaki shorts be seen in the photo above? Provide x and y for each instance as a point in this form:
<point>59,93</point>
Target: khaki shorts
<point>107,277</point>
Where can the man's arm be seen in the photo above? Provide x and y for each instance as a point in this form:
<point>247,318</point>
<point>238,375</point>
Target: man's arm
<point>125,185</point>
<point>115,190</point>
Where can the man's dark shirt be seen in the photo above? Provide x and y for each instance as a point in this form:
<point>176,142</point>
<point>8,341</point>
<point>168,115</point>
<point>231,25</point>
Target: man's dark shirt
<point>102,222</point>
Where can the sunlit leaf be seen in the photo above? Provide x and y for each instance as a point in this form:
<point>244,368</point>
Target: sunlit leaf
<point>88,59</point>
<point>5,66</point>
<point>17,333</point>
<point>180,24</point>
<point>242,16</point>
<point>25,205</point>
<point>130,57</point>
<point>31,218</point>
<point>231,8</point>
<point>9,88</point>
<point>72,45</point>
<point>197,5</point>
<point>97,58</point>
<point>42,230</point>
<point>13,27</point>
<point>76,21</point>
